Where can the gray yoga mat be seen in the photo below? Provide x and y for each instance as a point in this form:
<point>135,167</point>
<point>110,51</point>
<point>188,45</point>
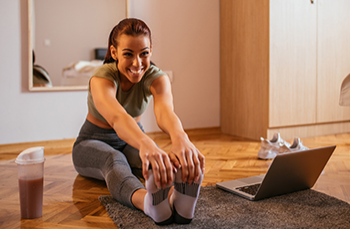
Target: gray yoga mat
<point>220,209</point>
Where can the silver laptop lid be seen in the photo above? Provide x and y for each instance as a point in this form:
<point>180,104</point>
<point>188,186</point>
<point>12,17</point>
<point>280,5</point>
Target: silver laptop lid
<point>289,172</point>
<point>294,171</point>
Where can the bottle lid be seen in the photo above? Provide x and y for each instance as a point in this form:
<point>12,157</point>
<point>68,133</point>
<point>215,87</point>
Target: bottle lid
<point>31,156</point>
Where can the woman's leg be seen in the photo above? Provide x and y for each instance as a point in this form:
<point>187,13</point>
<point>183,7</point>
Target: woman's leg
<point>134,160</point>
<point>96,159</point>
<point>97,154</point>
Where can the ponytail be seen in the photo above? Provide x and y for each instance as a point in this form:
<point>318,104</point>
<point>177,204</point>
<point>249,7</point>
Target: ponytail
<point>108,57</point>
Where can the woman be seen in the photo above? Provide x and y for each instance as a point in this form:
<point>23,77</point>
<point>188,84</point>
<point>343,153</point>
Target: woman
<point>112,145</point>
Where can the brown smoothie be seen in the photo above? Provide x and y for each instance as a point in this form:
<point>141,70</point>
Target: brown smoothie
<point>31,198</point>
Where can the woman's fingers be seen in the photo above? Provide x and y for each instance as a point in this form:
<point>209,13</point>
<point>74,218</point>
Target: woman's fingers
<point>169,170</point>
<point>155,169</point>
<point>145,166</point>
<point>174,160</point>
<point>190,167</point>
<point>190,160</point>
<point>183,162</point>
<point>162,169</point>
<point>197,166</point>
<point>202,162</point>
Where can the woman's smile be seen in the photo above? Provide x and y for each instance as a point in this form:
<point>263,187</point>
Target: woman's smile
<point>136,72</point>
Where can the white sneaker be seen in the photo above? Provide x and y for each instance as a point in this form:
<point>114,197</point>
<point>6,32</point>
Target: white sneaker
<point>296,146</point>
<point>270,148</point>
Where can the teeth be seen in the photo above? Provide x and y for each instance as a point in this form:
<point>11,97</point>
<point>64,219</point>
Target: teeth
<point>135,72</point>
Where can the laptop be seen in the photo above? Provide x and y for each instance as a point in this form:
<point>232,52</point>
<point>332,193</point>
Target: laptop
<point>288,172</point>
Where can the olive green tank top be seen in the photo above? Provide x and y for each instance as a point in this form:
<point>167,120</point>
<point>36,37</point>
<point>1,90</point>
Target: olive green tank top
<point>136,99</point>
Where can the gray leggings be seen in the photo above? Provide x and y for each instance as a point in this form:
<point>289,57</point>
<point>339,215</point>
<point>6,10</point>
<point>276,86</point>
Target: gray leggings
<point>99,153</point>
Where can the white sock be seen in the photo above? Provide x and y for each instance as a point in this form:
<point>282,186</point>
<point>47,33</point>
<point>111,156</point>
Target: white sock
<point>184,198</point>
<point>156,202</point>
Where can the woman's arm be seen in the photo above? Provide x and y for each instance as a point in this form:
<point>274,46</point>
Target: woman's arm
<point>103,93</point>
<point>183,151</point>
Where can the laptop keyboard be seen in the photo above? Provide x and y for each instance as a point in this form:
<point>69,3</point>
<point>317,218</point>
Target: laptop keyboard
<point>251,189</point>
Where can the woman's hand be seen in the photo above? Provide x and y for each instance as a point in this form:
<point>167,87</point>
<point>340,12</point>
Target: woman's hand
<point>184,155</point>
<point>153,156</point>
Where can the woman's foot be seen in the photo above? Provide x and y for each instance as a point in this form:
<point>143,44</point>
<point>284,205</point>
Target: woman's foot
<point>184,198</point>
<point>156,202</point>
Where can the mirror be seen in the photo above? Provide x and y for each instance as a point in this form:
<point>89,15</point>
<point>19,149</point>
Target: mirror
<point>68,40</point>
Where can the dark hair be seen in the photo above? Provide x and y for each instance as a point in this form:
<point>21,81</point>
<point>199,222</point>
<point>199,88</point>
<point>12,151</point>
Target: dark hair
<point>129,26</point>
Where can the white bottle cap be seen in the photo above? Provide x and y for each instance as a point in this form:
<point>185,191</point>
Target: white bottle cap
<point>31,156</point>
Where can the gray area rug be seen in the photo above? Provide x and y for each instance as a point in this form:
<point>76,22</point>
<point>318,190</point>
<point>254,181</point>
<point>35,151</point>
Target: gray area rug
<point>220,209</point>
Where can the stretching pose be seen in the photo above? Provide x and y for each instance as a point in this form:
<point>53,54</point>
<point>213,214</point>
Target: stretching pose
<point>112,145</point>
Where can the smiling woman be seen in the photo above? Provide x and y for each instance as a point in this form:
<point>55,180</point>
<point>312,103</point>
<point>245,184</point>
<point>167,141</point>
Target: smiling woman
<point>65,36</point>
<point>112,144</point>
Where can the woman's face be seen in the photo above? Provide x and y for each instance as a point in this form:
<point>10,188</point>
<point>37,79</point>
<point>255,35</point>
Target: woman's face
<point>133,55</point>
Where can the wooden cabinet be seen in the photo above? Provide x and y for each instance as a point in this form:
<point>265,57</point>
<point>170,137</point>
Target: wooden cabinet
<point>281,69</point>
<point>333,58</point>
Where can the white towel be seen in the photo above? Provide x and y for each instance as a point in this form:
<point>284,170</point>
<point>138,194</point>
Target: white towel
<point>84,66</point>
<point>344,99</point>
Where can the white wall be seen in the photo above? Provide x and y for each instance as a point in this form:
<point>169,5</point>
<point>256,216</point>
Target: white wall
<point>30,116</point>
<point>186,41</point>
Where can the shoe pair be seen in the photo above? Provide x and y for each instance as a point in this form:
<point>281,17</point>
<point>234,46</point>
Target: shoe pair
<point>270,148</point>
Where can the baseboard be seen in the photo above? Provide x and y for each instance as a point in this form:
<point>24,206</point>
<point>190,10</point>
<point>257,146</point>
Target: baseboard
<point>15,147</point>
<point>68,143</point>
<point>310,130</point>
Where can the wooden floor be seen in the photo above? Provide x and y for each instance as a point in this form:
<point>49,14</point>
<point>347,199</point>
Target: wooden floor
<point>71,201</point>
